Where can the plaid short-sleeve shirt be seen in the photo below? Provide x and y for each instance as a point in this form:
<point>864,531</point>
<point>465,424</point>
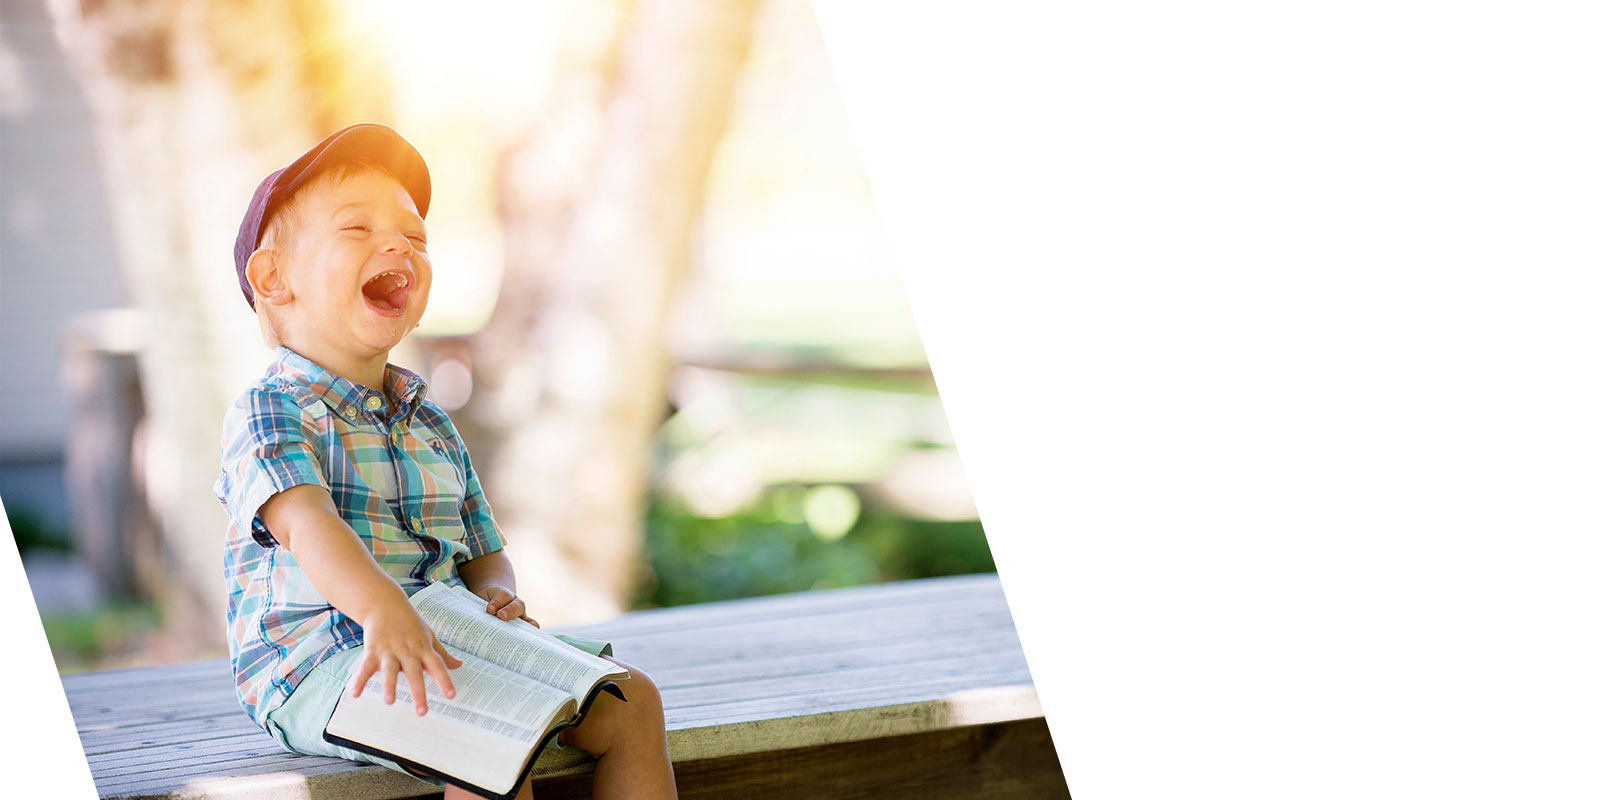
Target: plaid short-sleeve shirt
<point>400,477</point>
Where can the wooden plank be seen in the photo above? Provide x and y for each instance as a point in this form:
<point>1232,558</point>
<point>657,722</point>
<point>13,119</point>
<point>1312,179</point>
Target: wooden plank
<point>217,679</point>
<point>172,779</point>
<point>795,699</point>
<point>178,702</point>
<point>345,781</point>
<point>728,627</point>
<point>137,676</point>
<point>215,713</point>
<point>765,665</point>
<point>819,669</point>
<point>749,664</point>
<point>330,777</point>
<point>747,648</point>
<point>126,761</point>
<point>748,678</point>
<point>172,703</point>
<point>713,617</point>
<point>800,606</point>
<point>904,594</point>
<point>731,627</point>
<point>134,717</point>
<point>774,699</point>
<point>716,740</point>
<point>755,733</point>
<point>189,769</point>
<point>187,730</point>
<point>1008,760</point>
<point>785,692</point>
<point>837,700</point>
<point>741,641</point>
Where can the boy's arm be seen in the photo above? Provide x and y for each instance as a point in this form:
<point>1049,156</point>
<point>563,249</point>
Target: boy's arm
<point>490,577</point>
<point>305,520</point>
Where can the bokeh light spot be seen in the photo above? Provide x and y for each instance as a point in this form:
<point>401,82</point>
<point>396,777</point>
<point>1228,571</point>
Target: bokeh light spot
<point>451,384</point>
<point>832,511</point>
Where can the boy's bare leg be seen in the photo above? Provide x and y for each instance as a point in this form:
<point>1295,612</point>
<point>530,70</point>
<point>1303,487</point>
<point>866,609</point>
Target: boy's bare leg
<point>630,739</point>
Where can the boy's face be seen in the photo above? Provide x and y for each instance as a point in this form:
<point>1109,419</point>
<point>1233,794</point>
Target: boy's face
<point>358,267</point>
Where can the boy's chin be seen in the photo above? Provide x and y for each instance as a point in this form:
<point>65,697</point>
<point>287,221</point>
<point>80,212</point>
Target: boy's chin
<point>386,332</point>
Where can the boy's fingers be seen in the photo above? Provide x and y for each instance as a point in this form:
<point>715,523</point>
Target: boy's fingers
<point>390,675</point>
<point>368,666</point>
<point>531,620</point>
<point>419,690</point>
<point>445,656</point>
<point>434,665</point>
<point>513,609</point>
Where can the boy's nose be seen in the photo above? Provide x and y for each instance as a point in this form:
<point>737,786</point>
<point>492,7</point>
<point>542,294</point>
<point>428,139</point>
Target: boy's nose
<point>398,244</point>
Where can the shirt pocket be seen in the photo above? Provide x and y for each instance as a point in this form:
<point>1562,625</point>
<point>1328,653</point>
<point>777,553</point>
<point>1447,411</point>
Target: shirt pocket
<point>446,483</point>
<point>368,489</point>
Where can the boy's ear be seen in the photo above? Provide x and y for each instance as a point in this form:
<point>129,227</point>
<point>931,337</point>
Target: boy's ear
<point>265,272</point>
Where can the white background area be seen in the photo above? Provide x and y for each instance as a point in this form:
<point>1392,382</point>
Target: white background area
<point>1268,335</point>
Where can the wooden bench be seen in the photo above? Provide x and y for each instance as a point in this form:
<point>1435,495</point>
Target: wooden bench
<point>911,689</point>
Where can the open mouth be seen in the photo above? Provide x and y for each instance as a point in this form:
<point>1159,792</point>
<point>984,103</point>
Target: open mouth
<point>387,293</point>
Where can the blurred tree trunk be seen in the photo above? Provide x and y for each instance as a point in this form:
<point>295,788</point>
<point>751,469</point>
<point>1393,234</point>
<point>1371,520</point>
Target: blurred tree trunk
<point>195,103</point>
<point>571,372</point>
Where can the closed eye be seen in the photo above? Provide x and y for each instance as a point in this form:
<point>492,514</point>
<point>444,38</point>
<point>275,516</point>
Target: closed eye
<point>362,228</point>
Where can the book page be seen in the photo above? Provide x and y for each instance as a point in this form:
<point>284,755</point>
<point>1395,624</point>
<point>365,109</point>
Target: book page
<point>491,697</point>
<point>457,616</point>
<point>483,735</point>
<point>456,749</point>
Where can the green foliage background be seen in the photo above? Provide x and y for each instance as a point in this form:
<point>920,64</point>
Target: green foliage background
<point>764,550</point>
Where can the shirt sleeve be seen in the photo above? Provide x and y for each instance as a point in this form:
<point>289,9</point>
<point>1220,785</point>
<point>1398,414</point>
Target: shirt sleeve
<point>482,535</point>
<point>269,445</point>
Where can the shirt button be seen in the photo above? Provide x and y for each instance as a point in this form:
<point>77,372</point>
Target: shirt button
<point>416,524</point>
<point>374,402</point>
<point>395,436</point>
<point>350,411</point>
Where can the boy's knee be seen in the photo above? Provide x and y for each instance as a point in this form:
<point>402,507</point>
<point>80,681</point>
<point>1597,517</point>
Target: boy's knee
<point>642,693</point>
<point>611,721</point>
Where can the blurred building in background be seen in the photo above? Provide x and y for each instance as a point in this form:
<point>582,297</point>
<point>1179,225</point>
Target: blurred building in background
<point>59,283</point>
<point>665,316</point>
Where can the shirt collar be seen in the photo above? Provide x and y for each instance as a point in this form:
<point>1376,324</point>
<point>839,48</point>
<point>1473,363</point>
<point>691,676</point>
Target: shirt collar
<point>346,397</point>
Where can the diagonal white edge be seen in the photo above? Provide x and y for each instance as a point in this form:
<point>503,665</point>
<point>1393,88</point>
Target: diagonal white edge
<point>38,729</point>
<point>909,74</point>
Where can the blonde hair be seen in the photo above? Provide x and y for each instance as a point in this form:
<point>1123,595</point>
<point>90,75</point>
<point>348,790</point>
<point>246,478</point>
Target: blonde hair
<point>284,225</point>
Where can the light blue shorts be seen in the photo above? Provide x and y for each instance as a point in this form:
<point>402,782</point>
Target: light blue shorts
<point>297,724</point>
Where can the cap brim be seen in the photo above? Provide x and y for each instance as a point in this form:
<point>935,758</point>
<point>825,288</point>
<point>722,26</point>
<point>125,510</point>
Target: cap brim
<point>368,143</point>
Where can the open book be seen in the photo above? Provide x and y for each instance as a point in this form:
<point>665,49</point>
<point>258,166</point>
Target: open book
<point>517,689</point>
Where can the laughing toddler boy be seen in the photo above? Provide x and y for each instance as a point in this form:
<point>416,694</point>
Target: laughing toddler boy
<point>346,489</point>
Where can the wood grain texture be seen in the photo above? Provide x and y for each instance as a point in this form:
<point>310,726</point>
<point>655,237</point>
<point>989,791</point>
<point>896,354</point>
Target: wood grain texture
<point>766,680</point>
<point>1000,761</point>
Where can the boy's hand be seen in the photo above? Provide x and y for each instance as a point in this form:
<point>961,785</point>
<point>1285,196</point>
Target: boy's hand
<point>504,604</point>
<point>399,642</point>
